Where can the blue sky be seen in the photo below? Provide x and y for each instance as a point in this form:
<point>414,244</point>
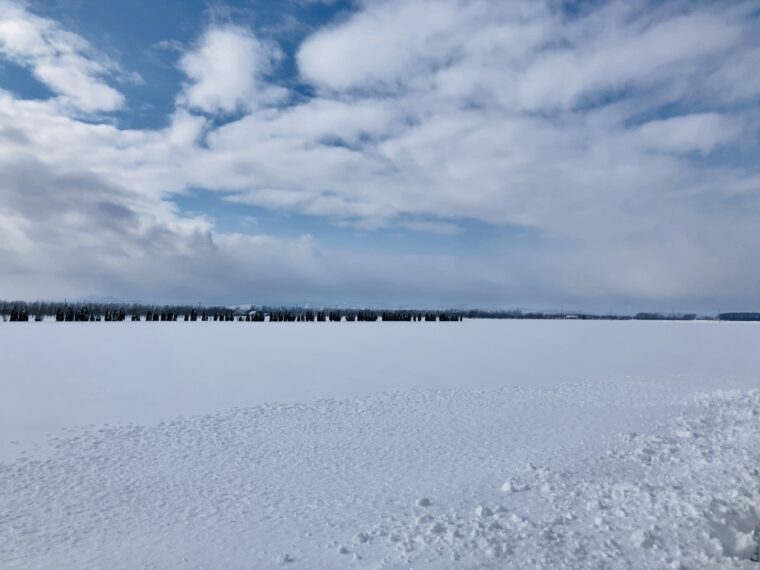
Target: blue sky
<point>389,152</point>
<point>137,34</point>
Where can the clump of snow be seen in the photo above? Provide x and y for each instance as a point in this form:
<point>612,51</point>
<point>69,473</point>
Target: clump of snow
<point>512,486</point>
<point>424,502</point>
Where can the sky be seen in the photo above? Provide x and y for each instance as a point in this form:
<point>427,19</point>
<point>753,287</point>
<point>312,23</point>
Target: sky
<point>391,153</point>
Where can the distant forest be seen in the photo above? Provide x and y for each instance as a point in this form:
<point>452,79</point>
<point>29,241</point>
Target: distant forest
<point>22,311</point>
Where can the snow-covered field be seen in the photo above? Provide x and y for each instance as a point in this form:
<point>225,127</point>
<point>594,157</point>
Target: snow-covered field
<point>497,444</point>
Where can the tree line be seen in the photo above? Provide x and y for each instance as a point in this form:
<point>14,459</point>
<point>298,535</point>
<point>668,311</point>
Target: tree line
<point>65,311</point>
<point>545,315</point>
<point>22,311</point>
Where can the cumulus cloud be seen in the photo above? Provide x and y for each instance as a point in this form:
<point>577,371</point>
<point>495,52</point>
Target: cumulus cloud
<point>227,70</point>
<point>618,143</point>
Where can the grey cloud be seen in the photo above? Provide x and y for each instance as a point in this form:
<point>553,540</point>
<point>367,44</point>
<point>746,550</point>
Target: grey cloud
<point>14,136</point>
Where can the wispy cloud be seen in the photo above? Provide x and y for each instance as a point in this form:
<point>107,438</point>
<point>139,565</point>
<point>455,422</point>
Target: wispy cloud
<point>60,59</point>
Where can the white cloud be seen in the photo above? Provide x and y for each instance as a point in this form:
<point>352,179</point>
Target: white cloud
<point>227,70</point>
<point>63,61</point>
<point>383,44</point>
<point>700,132</point>
<point>628,51</point>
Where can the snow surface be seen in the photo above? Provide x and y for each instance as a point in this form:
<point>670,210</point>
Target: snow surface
<point>456,445</point>
<point>63,375</point>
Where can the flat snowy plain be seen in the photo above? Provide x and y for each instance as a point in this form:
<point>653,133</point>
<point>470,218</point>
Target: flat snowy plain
<point>482,444</point>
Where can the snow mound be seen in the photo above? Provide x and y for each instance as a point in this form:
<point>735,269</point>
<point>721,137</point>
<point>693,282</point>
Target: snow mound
<point>687,499</point>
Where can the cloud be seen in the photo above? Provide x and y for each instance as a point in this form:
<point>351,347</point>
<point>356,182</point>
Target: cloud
<point>433,227</point>
<point>63,61</point>
<point>701,132</point>
<point>381,45</point>
<point>83,211</point>
<point>611,152</point>
<point>227,70</point>
<point>631,51</point>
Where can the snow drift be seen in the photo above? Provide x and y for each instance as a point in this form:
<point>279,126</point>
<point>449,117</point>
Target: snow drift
<point>428,479</point>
